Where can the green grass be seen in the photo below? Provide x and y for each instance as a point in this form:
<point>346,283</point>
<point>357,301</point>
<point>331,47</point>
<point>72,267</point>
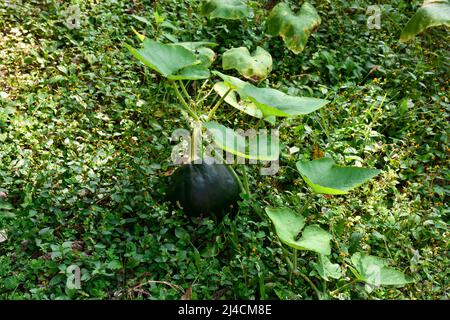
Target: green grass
<point>85,150</point>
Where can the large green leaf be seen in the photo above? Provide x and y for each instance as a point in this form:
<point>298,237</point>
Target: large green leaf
<point>224,9</point>
<point>273,102</point>
<point>246,106</point>
<point>433,13</point>
<point>375,271</point>
<point>326,269</point>
<point>201,49</point>
<point>164,59</point>
<point>288,226</point>
<point>324,176</point>
<point>173,61</point>
<point>262,147</point>
<point>255,67</point>
<point>294,29</point>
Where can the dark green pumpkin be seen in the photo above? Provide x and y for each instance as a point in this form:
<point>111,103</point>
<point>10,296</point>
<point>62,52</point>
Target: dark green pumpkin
<point>202,189</point>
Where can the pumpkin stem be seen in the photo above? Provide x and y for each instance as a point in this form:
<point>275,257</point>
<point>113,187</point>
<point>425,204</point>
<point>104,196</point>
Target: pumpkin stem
<point>213,110</point>
<point>183,102</point>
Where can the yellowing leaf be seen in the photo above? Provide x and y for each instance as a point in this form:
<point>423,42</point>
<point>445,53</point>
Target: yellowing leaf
<point>295,29</point>
<point>255,67</point>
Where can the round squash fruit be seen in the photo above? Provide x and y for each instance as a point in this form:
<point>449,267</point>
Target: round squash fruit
<point>204,189</point>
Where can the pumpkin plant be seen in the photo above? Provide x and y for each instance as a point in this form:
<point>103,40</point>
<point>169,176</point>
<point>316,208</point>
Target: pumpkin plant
<point>200,187</point>
<point>192,185</point>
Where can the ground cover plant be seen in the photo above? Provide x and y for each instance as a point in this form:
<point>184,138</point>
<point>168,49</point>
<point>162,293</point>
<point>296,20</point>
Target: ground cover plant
<point>86,145</point>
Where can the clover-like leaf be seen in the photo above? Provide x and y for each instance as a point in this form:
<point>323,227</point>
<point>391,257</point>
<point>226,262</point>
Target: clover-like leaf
<point>375,271</point>
<point>271,101</point>
<point>326,269</point>
<point>433,13</point>
<point>255,67</point>
<point>288,226</point>
<point>324,176</point>
<point>259,147</point>
<point>246,106</point>
<point>224,9</point>
<point>295,29</point>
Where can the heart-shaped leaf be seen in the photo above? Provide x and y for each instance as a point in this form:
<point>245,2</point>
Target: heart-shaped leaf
<point>433,13</point>
<point>288,226</point>
<point>255,67</point>
<point>375,271</point>
<point>261,147</point>
<point>324,176</point>
<point>246,106</point>
<point>224,9</point>
<point>294,29</point>
<point>272,102</point>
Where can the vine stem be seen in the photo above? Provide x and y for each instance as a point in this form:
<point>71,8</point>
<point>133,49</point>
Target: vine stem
<point>295,258</point>
<point>183,101</point>
<point>345,286</point>
<point>311,284</point>
<point>183,88</point>
<point>214,109</point>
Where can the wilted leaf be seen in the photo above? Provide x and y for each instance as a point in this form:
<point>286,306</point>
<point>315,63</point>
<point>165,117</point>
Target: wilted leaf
<point>295,29</point>
<point>433,13</point>
<point>324,176</point>
<point>255,67</point>
<point>288,226</point>
<point>224,9</point>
